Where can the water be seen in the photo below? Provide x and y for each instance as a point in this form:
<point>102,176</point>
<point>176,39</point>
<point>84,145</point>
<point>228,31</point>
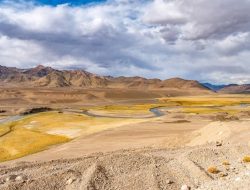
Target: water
<point>244,105</point>
<point>10,119</point>
<point>157,112</point>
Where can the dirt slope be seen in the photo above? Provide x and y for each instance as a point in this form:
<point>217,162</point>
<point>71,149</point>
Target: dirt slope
<point>134,170</point>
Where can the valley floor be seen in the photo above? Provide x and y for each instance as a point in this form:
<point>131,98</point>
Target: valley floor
<point>201,142</point>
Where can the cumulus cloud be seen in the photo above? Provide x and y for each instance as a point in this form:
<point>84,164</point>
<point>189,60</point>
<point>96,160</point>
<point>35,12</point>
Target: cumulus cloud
<point>201,19</point>
<point>203,40</point>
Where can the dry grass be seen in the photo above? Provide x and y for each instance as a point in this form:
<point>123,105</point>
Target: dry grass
<point>209,104</point>
<point>225,163</point>
<point>126,109</point>
<point>246,159</point>
<point>209,110</point>
<point>213,170</point>
<point>37,132</point>
<point>207,100</point>
<point>45,122</point>
<point>3,130</point>
<point>20,142</point>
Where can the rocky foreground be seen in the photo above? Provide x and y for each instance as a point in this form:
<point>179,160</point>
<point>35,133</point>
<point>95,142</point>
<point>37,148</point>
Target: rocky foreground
<point>215,166</point>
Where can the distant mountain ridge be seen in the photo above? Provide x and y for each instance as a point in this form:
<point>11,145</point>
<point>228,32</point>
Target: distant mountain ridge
<point>236,89</point>
<point>42,76</point>
<point>230,88</point>
<point>214,87</point>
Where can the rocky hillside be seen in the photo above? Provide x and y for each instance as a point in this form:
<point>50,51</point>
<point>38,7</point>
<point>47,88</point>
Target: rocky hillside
<point>236,89</point>
<point>42,76</point>
<point>214,87</point>
<point>48,77</point>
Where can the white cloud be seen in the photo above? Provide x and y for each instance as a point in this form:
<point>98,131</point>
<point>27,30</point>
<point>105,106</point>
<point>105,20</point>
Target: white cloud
<point>163,12</point>
<point>204,40</point>
<point>15,52</point>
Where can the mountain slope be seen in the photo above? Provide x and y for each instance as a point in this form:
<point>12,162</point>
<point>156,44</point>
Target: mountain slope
<point>39,71</point>
<point>41,76</point>
<point>236,89</point>
<point>49,77</point>
<point>213,86</point>
<point>183,84</point>
<point>13,75</point>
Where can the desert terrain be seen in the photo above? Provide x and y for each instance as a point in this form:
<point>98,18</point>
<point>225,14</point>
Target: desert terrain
<point>179,136</point>
<point>124,95</point>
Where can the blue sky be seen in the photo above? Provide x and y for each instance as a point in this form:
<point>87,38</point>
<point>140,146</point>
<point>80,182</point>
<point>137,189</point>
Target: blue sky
<point>71,2</point>
<point>56,2</point>
<point>202,40</point>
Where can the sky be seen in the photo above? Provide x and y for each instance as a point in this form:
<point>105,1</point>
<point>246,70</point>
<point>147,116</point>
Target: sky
<point>202,40</point>
<point>72,3</point>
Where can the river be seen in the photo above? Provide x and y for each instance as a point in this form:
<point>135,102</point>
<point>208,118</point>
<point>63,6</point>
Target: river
<point>156,111</point>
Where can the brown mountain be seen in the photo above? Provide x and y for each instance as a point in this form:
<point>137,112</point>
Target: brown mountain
<point>139,82</point>
<point>39,71</point>
<point>42,76</point>
<point>13,75</point>
<point>48,77</point>
<point>71,78</point>
<point>181,83</point>
<point>133,82</point>
<point>236,89</point>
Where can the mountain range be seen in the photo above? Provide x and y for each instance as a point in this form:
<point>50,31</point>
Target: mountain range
<point>42,76</point>
<point>229,89</point>
<point>214,87</point>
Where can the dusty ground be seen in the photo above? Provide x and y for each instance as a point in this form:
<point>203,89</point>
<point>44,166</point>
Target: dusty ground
<point>164,152</point>
<point>165,132</point>
<point>160,154</point>
<point>136,169</point>
<point>145,134</point>
<point>16,100</point>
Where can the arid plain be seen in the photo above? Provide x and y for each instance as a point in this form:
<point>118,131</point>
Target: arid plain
<point>71,129</point>
<point>124,95</point>
<point>89,138</point>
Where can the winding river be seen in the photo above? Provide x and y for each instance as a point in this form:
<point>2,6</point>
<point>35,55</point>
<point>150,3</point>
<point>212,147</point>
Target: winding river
<point>11,119</point>
<point>156,111</point>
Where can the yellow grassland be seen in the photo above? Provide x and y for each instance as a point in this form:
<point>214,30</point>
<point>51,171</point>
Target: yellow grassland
<point>127,109</point>
<point>37,132</point>
<point>219,100</point>
<point>21,142</point>
<point>3,130</point>
<point>209,104</point>
<point>210,110</point>
<point>192,104</point>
